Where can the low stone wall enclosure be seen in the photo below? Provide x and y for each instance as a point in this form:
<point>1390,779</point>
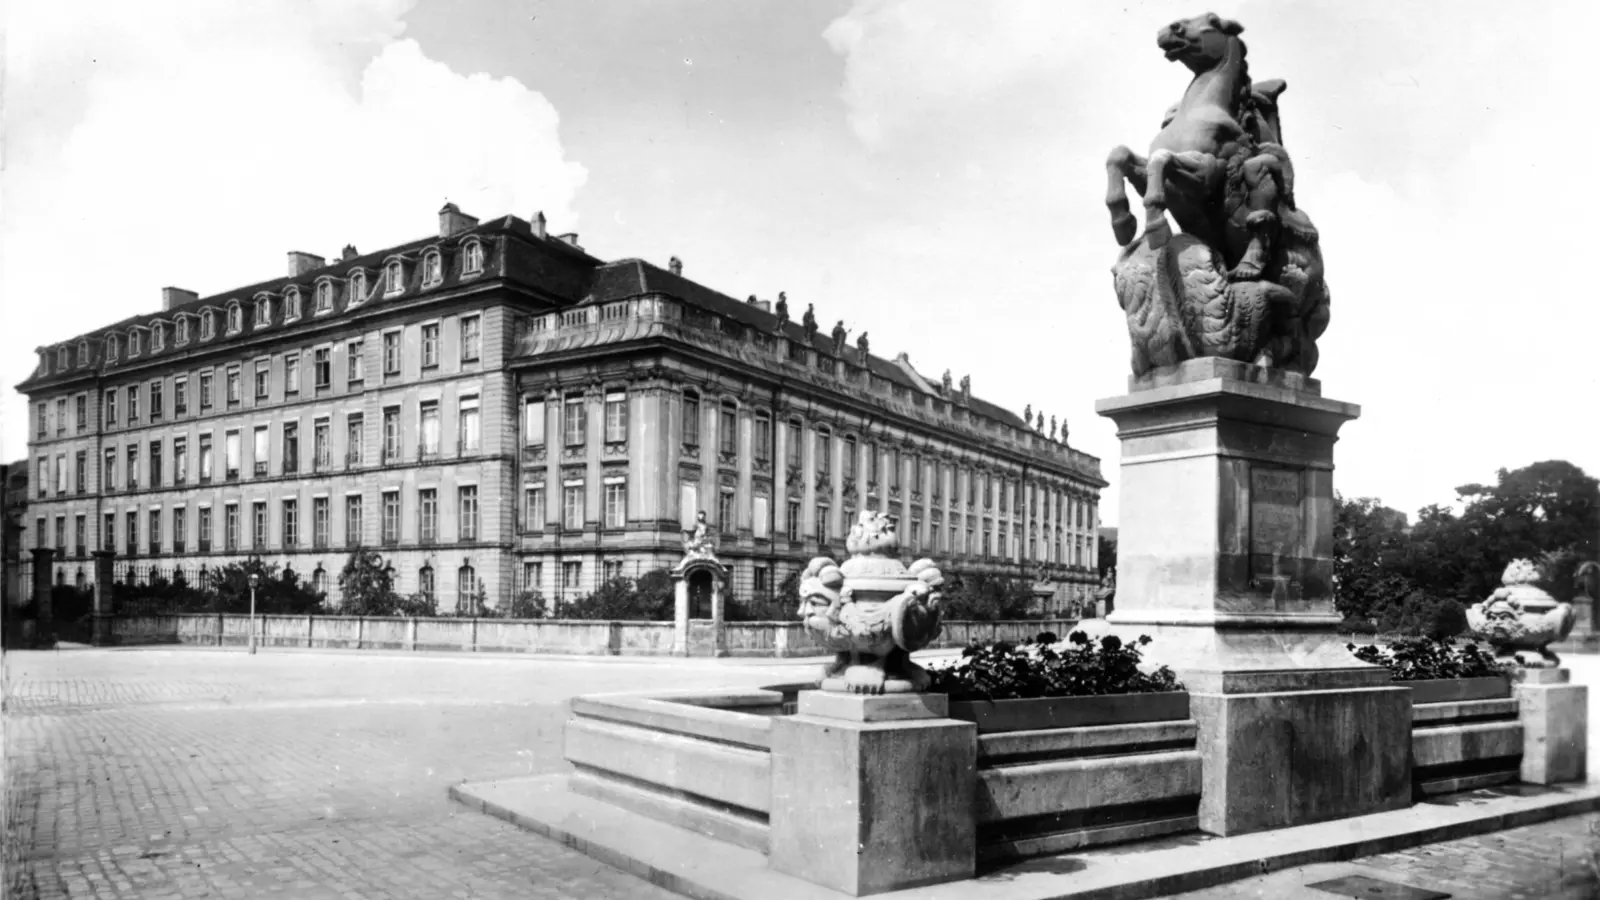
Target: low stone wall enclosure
<point>572,636</point>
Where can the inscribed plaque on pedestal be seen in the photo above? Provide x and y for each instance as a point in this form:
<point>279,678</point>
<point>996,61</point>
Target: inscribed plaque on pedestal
<point>1275,523</point>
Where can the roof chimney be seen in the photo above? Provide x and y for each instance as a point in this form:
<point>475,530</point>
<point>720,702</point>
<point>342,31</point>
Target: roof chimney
<point>570,239</point>
<point>172,298</point>
<point>301,263</point>
<point>453,221</point>
<point>537,222</point>
<point>675,266</point>
<point>348,253</point>
<point>763,305</point>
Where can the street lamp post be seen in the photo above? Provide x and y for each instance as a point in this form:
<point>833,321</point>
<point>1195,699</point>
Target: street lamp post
<point>255,579</point>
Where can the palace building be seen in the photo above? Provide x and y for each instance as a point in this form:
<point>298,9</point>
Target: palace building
<point>494,410</point>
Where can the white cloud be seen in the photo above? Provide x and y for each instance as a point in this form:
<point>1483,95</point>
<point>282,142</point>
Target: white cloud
<point>193,143</point>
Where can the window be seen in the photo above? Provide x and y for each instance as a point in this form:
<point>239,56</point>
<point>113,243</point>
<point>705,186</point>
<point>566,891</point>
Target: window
<point>133,467</point>
<point>61,536</point>
<point>38,532</point>
<point>258,531</point>
<point>61,416</point>
<point>824,452</point>
<point>324,297</point>
<point>474,258</point>
<point>111,349</point>
<point>133,342</point>
<point>108,470</point>
<point>533,423</point>
<point>761,519</point>
<point>691,419</point>
<point>155,401</point>
<point>230,526</point>
<point>572,506</point>
<point>432,270</point>
<point>469,428</point>
<point>61,357</point>
<point>108,532</point>
<point>467,510</point>
<point>616,418</point>
<point>321,446</point>
<point>180,460</point>
<point>728,429</point>
<point>260,450</point>
<point>894,468</point>
<point>183,330</point>
<point>391,517</point>
<point>352,521</point>
<point>428,515</point>
<point>611,569</point>
<point>208,325</point>
<point>391,434</point>
<point>235,317</point>
<point>358,287</point>
<point>574,420</point>
<point>111,408</point>
<point>571,576</point>
<point>430,345</point>
<point>291,374</point>
<point>425,585</point>
<point>61,473</point>
<point>319,580</point>
<point>155,532</point>
<point>81,417</point>
<point>849,458</point>
<point>230,455</point>
<point>532,575</point>
<point>353,442</point>
<point>763,581</point>
<point>322,368</point>
<point>263,380</point>
<point>391,353</point>
<point>725,510</point>
<point>131,523</point>
<point>916,531</point>
<point>394,278</point>
<point>203,528</point>
<point>430,429</point>
<point>180,397</point>
<point>355,365</point>
<point>133,404</point>
<point>791,524</point>
<point>762,445</point>
<point>471,340</point>
<point>533,508</point>
<point>205,390</point>
<point>822,524</point>
<point>291,304</point>
<point>158,340</point>
<point>291,447</point>
<point>688,503</point>
<point>796,436</point>
<point>81,472</point>
<point>180,528</point>
<point>616,502</point>
<point>263,312</point>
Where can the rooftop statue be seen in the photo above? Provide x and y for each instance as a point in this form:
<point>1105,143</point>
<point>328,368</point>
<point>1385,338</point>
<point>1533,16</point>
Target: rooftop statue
<point>809,321</point>
<point>783,312</point>
<point>1244,279</point>
<point>838,338</point>
<point>872,611</point>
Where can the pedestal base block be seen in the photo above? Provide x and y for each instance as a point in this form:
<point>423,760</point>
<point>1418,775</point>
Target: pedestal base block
<point>1555,727</point>
<point>865,807</point>
<point>1273,760</point>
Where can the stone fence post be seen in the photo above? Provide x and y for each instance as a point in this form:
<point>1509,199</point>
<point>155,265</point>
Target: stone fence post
<point>42,583</point>
<point>104,607</point>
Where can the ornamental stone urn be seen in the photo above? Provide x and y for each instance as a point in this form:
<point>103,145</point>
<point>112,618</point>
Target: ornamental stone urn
<point>872,611</point>
<point>1521,620</point>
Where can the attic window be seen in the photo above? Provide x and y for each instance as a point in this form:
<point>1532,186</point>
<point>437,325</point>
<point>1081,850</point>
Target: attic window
<point>235,317</point>
<point>83,353</point>
<point>158,338</point>
<point>324,297</point>
<point>394,278</point>
<point>208,325</point>
<point>264,311</point>
<point>291,304</point>
<point>133,342</point>
<point>183,330</point>
<point>474,258</point>
<point>61,357</point>
<point>358,287</point>
<point>111,348</point>
<point>432,269</point>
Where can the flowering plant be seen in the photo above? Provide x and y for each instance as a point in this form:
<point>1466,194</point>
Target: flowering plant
<point>1421,659</point>
<point>1049,667</point>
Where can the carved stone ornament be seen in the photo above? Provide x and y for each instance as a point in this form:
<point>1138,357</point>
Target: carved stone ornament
<point>872,611</point>
<point>1521,620</point>
<point>699,542</point>
<point>1244,279</point>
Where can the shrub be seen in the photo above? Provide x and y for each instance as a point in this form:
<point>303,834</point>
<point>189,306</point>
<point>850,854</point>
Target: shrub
<point>1047,667</point>
<point>1422,658</point>
<point>987,598</point>
<point>367,583</point>
<point>650,598</point>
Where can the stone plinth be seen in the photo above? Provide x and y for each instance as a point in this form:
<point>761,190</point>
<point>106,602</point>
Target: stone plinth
<point>1555,726</point>
<point>1225,557</point>
<point>104,608</point>
<point>868,802</point>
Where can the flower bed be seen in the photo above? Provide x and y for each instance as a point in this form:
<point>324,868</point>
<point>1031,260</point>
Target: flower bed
<point>1426,659</point>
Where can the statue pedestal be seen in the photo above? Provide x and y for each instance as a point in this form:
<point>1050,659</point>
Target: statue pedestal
<point>1225,558</point>
<point>873,793</point>
<point>1555,726</point>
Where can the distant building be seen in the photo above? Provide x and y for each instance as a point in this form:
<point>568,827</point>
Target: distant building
<point>14,503</point>
<point>493,409</point>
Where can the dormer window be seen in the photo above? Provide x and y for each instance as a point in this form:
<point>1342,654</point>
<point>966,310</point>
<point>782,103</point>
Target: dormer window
<point>208,325</point>
<point>134,344</point>
<point>291,305</point>
<point>432,268</point>
<point>394,278</point>
<point>61,357</point>
<point>324,297</point>
<point>263,311</point>
<point>158,338</point>
<point>474,258</point>
<point>183,330</point>
<point>358,287</point>
<point>235,317</point>
<point>83,353</point>
<point>111,348</point>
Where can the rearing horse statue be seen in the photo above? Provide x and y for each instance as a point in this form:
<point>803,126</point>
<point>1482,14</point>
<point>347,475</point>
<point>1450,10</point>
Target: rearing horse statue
<point>1218,167</point>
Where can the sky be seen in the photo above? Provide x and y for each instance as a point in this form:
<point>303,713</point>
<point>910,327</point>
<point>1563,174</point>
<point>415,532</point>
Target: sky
<point>930,171</point>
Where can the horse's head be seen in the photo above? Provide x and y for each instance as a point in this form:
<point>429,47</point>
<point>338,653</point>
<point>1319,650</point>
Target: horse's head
<point>1200,43</point>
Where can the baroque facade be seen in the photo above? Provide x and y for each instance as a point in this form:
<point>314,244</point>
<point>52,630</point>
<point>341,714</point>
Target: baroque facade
<point>494,410</point>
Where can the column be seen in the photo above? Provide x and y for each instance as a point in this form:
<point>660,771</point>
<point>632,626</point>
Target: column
<point>104,611</point>
<point>42,583</point>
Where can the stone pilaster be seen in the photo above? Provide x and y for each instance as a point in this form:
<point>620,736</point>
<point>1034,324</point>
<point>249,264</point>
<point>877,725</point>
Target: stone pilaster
<point>104,611</point>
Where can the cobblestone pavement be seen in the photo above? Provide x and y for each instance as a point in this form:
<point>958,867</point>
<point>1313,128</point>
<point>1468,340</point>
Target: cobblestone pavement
<point>179,773</point>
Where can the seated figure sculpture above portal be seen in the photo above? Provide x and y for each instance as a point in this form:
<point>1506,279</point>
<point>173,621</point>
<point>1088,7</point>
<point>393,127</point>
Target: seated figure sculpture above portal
<point>701,540</point>
<point>1244,279</point>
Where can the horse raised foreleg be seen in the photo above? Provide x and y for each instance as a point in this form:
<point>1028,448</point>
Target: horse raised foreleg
<point>1123,165</point>
<point>1156,230</point>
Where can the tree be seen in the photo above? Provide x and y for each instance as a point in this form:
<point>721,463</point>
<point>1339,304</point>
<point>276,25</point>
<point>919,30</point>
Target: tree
<point>985,597</point>
<point>278,592</point>
<point>650,598</point>
<point>367,583</point>
<point>1107,556</point>
<point>1370,545</point>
